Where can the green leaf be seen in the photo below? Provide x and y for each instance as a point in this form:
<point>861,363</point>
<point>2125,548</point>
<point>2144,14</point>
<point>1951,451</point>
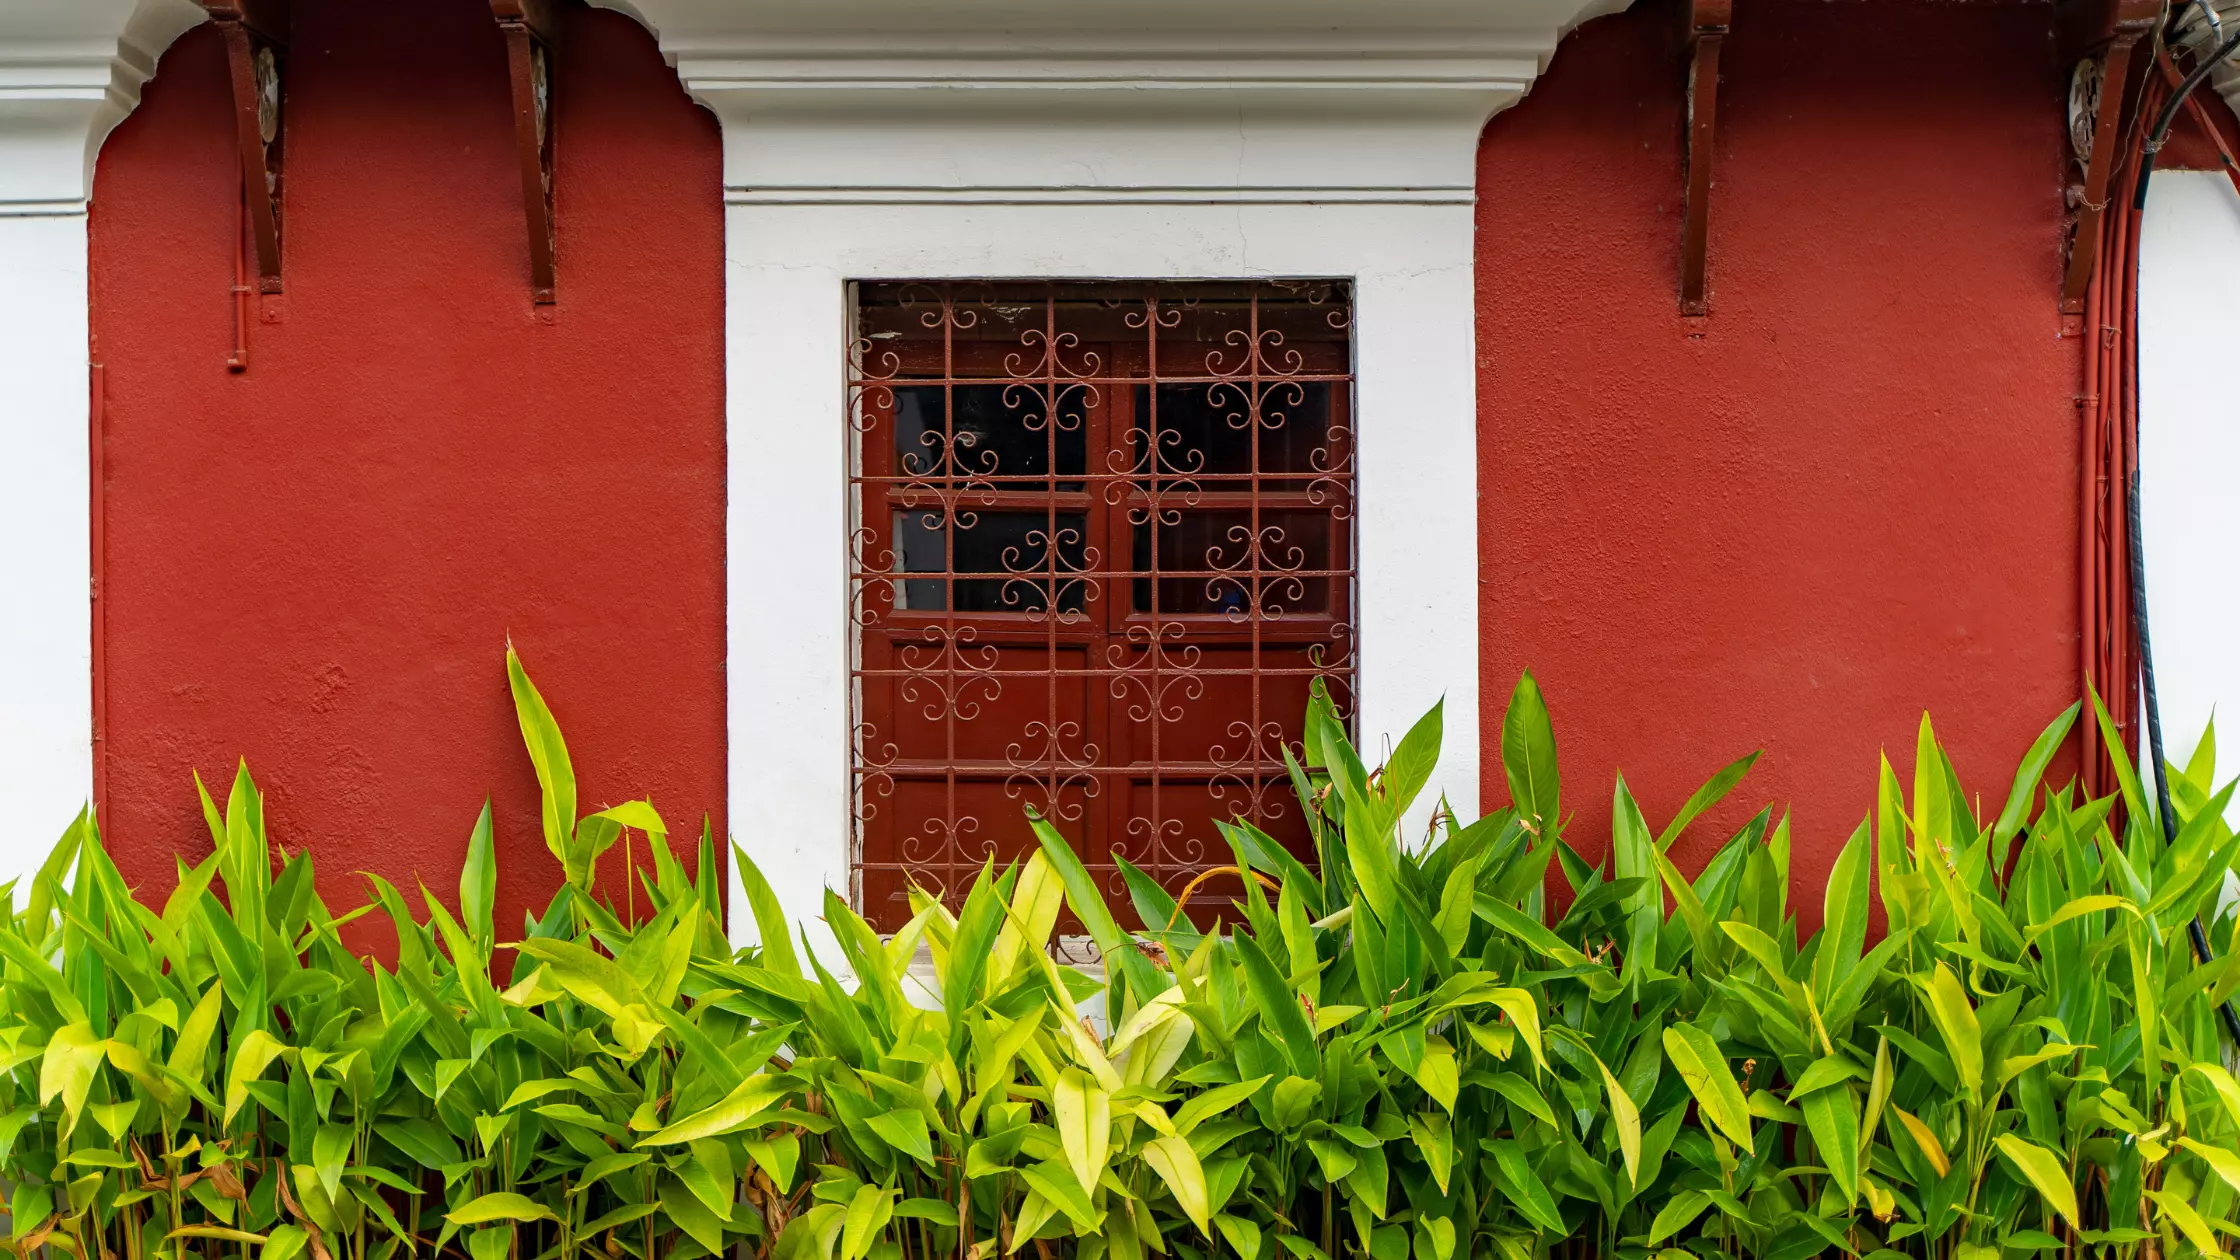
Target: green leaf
<point>1832,1115</point>
<point>1371,1179</point>
<point>1081,890</point>
<point>1433,1135</point>
<point>284,1242</point>
<point>607,1166</point>
<point>1513,1176</point>
<point>940,1213</point>
<point>501,1205</point>
<point>2078,907</point>
<point>1633,857</point>
<point>478,880</point>
<point>1278,1006</point>
<point>1704,1069</point>
<point>1528,758</point>
<point>1411,763</point>
<point>548,753</point>
<point>2135,801</point>
<point>691,1214</point>
<point>737,1110</point>
<point>1843,933</point>
<point>1056,1183</point>
<point>1674,1216</point>
<point>424,1141</point>
<point>1527,1099</point>
<point>1243,1236</point>
<point>530,1091</point>
<point>2026,777</point>
<point>905,1130</point>
<point>1713,791</point>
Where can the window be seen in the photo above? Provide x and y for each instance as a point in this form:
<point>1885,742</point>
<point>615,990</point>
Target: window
<point>1102,546</point>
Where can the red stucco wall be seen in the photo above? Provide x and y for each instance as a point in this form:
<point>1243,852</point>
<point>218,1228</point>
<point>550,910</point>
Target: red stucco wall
<point>1849,494</point>
<point>316,563</point>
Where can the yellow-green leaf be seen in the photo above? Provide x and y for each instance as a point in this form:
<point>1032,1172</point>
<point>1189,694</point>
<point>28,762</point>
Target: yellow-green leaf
<point>868,1213</point>
<point>1955,1018</point>
<point>1704,1068</point>
<point>2223,1162</point>
<point>501,1205</point>
<point>2189,1222</point>
<point>1177,1164</point>
<point>2227,1090</point>
<point>257,1052</point>
<point>738,1108</point>
<point>67,1070</point>
<point>1524,1012</point>
<point>1083,1112</point>
<point>1924,1139</point>
<point>214,1231</point>
<point>548,756</point>
<point>1626,1117</point>
<point>2079,907</point>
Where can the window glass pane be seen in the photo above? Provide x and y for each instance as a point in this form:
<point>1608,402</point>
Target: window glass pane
<point>1001,433</point>
<point>1035,555</point>
<point>1196,431</point>
<point>1221,565</point>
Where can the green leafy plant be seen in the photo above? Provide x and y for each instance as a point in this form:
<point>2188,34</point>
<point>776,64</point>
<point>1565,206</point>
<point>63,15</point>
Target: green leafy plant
<point>1466,1040</point>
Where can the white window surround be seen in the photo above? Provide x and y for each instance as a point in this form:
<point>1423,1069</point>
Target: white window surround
<point>868,139</point>
<point>894,139</point>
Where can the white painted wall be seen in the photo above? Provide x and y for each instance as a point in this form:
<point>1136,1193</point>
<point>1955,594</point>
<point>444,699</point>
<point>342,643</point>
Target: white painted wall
<point>46,660</point>
<point>2189,452</point>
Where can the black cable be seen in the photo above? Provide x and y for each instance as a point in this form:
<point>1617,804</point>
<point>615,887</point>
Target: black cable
<point>2168,817</point>
<point>2160,132</point>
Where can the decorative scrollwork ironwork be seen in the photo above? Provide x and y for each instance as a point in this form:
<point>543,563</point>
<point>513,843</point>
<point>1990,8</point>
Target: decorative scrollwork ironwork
<point>1102,547</point>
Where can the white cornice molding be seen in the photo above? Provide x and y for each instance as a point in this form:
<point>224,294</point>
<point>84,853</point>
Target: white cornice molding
<point>1032,101</point>
<point>69,71</point>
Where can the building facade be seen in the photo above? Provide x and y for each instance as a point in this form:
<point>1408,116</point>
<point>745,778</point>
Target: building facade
<point>871,419</point>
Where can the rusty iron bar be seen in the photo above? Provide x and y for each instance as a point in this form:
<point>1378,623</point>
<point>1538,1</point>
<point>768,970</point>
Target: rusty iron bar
<point>255,33</point>
<point>530,27</point>
<point>243,292</point>
<point>1102,544</point>
<point>1707,33</point>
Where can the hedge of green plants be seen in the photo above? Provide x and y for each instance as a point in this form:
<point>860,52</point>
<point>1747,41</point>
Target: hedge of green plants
<point>1404,1052</point>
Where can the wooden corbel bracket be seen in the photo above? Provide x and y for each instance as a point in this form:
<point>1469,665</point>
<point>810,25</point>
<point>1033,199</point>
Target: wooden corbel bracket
<point>2102,39</point>
<point>1707,30</point>
<point>256,40</point>
<point>530,27</point>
